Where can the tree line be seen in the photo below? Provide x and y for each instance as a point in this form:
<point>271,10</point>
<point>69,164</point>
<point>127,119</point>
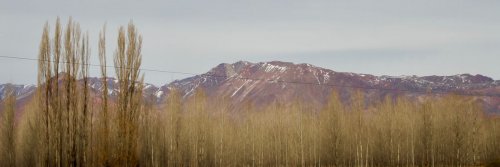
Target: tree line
<point>67,126</point>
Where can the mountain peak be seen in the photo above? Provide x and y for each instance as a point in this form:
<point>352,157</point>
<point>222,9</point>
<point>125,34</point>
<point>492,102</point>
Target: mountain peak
<point>478,78</point>
<point>228,70</point>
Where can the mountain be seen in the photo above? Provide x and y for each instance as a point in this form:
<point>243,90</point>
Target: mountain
<point>24,93</point>
<point>21,91</point>
<point>282,82</point>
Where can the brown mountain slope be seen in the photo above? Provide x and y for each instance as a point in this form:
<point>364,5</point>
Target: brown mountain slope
<point>282,82</point>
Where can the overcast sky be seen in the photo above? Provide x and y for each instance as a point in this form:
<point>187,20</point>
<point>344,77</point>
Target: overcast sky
<point>381,37</point>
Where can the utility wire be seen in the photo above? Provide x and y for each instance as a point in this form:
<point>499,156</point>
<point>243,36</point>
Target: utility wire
<point>274,80</point>
<point>97,65</point>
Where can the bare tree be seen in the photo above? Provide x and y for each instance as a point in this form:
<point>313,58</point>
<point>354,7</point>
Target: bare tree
<point>127,62</point>
<point>7,145</point>
<point>104,117</point>
<point>44,84</point>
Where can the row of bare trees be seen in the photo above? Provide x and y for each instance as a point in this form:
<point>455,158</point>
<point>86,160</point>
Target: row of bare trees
<point>63,102</point>
<point>63,126</point>
<point>69,125</point>
<point>450,131</point>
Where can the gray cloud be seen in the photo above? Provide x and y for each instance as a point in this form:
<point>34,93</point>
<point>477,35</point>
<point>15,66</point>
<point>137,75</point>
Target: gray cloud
<point>391,37</point>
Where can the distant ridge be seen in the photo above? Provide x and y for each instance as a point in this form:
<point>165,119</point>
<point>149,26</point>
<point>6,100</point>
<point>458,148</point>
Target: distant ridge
<point>283,82</point>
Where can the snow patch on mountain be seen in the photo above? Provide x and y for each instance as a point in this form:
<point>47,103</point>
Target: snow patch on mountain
<point>271,68</point>
<point>159,94</point>
<point>237,90</point>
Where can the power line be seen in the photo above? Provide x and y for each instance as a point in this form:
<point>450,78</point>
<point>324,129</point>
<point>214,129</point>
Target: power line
<point>274,80</point>
<point>97,65</point>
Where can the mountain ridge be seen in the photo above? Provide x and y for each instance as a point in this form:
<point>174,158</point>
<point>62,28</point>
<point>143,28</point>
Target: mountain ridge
<point>276,81</point>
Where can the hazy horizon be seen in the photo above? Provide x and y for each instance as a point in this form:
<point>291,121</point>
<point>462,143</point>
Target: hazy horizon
<point>387,37</point>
